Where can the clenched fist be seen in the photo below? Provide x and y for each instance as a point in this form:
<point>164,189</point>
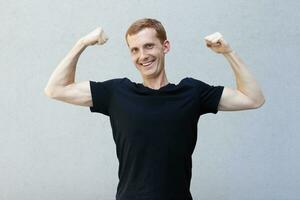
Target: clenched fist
<point>97,36</point>
<point>216,42</point>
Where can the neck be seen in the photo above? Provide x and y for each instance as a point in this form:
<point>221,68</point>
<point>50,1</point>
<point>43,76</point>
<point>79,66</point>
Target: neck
<point>156,82</point>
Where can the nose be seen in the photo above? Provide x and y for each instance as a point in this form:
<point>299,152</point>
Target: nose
<point>143,56</point>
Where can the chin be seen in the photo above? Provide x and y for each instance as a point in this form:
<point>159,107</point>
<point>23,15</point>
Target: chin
<point>150,73</point>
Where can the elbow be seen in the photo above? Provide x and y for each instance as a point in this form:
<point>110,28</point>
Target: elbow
<point>54,93</point>
<point>260,103</point>
<point>49,93</point>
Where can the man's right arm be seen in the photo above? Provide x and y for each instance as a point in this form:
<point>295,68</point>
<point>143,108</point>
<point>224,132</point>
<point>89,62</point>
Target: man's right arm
<point>61,85</point>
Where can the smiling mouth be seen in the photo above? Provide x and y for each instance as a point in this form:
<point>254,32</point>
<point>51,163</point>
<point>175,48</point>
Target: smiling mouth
<point>147,63</point>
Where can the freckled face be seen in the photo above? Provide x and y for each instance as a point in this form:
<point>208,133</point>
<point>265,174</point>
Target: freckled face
<point>147,52</point>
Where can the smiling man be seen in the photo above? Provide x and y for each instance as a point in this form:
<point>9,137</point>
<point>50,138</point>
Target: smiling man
<point>154,123</point>
<point>148,45</point>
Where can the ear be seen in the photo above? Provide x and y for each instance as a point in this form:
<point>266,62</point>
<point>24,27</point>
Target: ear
<point>166,46</point>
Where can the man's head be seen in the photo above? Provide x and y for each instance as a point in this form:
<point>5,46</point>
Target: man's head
<point>148,44</point>
<point>141,24</point>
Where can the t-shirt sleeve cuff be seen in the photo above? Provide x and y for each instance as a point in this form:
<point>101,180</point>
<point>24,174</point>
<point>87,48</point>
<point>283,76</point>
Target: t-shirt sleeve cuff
<point>217,99</point>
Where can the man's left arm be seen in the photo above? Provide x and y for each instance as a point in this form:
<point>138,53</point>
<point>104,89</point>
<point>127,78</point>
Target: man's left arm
<point>248,94</point>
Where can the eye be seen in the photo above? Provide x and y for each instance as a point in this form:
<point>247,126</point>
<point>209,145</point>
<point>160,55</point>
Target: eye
<point>149,46</point>
<point>134,50</point>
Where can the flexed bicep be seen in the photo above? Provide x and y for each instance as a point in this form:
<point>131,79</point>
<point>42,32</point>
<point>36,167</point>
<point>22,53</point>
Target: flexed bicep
<point>234,100</point>
<point>75,93</point>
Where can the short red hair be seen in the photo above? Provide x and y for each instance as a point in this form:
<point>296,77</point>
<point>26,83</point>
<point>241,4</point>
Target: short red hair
<point>141,24</point>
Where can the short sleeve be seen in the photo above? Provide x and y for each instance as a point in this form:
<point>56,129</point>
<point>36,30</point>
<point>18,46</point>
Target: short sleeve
<point>102,93</point>
<point>209,96</point>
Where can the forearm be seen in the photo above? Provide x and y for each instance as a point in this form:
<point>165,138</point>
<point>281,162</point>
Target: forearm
<point>245,81</point>
<point>64,74</point>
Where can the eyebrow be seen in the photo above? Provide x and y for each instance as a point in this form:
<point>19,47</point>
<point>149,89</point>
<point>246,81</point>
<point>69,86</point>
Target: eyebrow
<point>149,43</point>
<point>133,48</point>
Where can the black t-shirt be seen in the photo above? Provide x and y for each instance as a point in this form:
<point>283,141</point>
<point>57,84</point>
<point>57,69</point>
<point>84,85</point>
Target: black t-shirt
<point>155,133</point>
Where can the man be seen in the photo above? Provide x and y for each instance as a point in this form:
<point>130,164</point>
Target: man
<point>154,123</point>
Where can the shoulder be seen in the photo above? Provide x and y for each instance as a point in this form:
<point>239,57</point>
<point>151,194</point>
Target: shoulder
<point>109,82</point>
<point>194,82</point>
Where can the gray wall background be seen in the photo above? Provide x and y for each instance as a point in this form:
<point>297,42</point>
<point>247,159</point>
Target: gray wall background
<point>53,150</point>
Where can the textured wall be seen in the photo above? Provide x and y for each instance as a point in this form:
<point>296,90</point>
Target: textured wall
<point>53,150</point>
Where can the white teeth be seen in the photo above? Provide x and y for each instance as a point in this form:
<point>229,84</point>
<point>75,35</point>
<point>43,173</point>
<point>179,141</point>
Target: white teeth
<point>146,64</point>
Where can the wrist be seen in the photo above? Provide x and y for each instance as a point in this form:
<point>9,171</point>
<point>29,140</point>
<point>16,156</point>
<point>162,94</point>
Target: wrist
<point>82,43</point>
<point>228,53</point>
